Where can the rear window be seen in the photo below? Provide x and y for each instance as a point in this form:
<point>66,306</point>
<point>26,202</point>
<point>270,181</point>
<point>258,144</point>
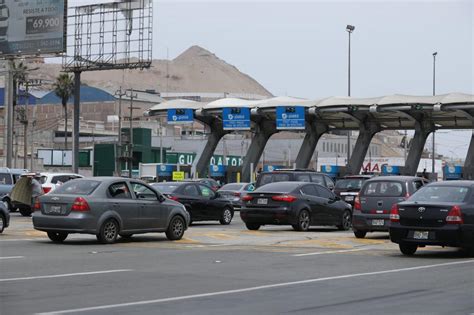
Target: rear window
<point>77,187</point>
<point>165,188</point>
<point>5,179</point>
<point>278,187</point>
<point>353,183</point>
<point>384,189</point>
<point>441,194</point>
<point>232,187</point>
<point>271,178</point>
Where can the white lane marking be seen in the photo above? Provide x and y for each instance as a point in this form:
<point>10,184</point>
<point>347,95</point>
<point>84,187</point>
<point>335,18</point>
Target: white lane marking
<point>19,239</point>
<point>262,287</point>
<point>331,252</point>
<point>12,257</point>
<point>65,275</point>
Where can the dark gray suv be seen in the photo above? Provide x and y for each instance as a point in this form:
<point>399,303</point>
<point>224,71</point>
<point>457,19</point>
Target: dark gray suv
<point>375,200</point>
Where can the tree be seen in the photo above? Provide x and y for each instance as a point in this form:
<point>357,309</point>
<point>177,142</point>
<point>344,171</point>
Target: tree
<point>64,89</point>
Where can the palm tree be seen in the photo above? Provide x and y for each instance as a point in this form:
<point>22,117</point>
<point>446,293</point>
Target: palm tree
<point>64,89</point>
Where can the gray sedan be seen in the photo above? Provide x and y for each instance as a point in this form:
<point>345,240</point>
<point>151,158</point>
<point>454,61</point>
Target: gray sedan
<point>108,207</point>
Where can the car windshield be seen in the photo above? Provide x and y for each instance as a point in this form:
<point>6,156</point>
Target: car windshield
<point>441,194</point>
<point>349,183</point>
<point>383,189</point>
<point>5,179</point>
<point>165,188</point>
<point>276,177</point>
<point>77,187</point>
<point>232,187</point>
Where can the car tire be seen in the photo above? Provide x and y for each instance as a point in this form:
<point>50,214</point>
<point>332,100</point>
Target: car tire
<point>176,228</point>
<point>25,212</point>
<point>408,249</point>
<point>3,222</point>
<point>226,216</point>
<point>57,237</point>
<point>108,232</point>
<point>346,221</point>
<point>252,226</point>
<point>304,221</point>
<point>360,233</point>
<point>7,204</point>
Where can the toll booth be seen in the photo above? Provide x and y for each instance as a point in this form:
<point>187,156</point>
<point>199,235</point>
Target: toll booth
<point>331,170</point>
<point>452,172</point>
<point>390,170</point>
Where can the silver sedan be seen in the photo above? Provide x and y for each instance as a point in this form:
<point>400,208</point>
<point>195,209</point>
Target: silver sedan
<point>108,207</point>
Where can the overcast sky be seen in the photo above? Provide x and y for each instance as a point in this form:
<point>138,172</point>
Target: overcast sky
<point>300,48</point>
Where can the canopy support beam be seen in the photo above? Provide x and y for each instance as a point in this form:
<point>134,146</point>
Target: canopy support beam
<point>313,133</point>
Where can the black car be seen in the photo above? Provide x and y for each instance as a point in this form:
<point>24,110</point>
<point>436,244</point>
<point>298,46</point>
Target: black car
<point>200,200</point>
<point>298,204</point>
<point>4,217</point>
<point>207,181</point>
<point>439,214</point>
<point>348,187</point>
<point>294,175</point>
<point>373,204</point>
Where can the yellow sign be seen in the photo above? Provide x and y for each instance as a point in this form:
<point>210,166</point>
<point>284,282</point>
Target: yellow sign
<point>177,176</point>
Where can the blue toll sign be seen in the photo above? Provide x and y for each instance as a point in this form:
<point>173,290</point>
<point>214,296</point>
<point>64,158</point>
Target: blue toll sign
<point>180,116</point>
<point>290,117</point>
<point>236,118</point>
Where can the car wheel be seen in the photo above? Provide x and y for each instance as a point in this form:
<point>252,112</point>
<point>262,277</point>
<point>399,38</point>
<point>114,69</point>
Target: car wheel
<point>226,216</point>
<point>25,212</point>
<point>407,249</point>
<point>360,233</point>
<point>346,221</point>
<point>176,228</point>
<point>7,204</point>
<point>303,221</point>
<point>252,226</point>
<point>108,232</point>
<point>2,223</point>
<point>57,237</point>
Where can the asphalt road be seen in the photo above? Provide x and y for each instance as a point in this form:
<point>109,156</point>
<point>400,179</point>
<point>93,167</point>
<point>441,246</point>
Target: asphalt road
<point>228,270</point>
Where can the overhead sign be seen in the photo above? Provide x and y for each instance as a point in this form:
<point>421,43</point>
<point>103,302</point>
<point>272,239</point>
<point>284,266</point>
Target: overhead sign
<point>236,118</point>
<point>390,170</point>
<point>290,117</point>
<point>330,169</point>
<point>271,168</point>
<point>180,116</point>
<point>32,27</point>
<point>177,176</point>
<point>188,159</point>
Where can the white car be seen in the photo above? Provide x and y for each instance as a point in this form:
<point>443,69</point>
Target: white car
<point>50,181</point>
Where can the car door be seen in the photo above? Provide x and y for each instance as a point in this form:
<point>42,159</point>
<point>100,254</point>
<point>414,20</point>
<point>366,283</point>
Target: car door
<point>190,197</point>
<point>311,196</point>
<point>213,205</point>
<point>329,207</point>
<point>122,203</point>
<point>152,214</point>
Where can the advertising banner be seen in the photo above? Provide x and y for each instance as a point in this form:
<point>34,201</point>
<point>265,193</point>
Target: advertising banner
<point>236,118</point>
<point>290,117</point>
<point>180,116</point>
<point>32,27</point>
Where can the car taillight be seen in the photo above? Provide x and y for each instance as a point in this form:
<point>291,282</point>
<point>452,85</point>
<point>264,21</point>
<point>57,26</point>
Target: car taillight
<point>237,194</point>
<point>80,204</point>
<point>173,198</point>
<point>394,215</point>
<point>454,216</point>
<point>285,198</point>
<point>46,189</point>
<point>247,198</point>
<point>357,205</point>
<point>37,205</point>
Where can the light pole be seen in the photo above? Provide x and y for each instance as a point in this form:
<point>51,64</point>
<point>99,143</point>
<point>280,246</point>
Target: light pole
<point>434,131</point>
<point>349,29</point>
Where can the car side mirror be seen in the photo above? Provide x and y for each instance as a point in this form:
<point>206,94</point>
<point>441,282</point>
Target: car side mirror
<point>216,195</point>
<point>161,198</point>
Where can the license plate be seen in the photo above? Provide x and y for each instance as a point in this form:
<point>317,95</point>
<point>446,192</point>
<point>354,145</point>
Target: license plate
<point>349,198</point>
<point>420,235</point>
<point>378,222</point>
<point>55,209</point>
<point>262,201</point>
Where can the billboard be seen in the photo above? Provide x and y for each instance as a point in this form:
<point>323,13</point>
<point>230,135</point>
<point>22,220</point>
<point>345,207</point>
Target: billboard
<point>30,27</point>
<point>236,118</point>
<point>180,116</point>
<point>290,117</point>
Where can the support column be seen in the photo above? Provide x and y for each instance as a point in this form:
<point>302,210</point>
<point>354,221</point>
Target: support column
<point>75,127</point>
<point>204,157</point>
<point>9,117</point>
<point>468,171</point>
<point>265,130</point>
<point>416,148</point>
<point>366,133</point>
<point>313,134</point>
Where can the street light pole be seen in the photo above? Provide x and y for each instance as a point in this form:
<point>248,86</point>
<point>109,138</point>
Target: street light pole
<point>349,29</point>
<point>434,131</point>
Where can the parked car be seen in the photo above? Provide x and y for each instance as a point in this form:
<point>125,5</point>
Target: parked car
<point>8,179</point>
<point>50,181</point>
<point>200,200</point>
<point>294,175</point>
<point>440,214</point>
<point>4,217</point>
<point>235,191</point>
<point>206,181</point>
<point>298,204</point>
<point>373,203</point>
<point>348,187</point>
<point>108,207</point>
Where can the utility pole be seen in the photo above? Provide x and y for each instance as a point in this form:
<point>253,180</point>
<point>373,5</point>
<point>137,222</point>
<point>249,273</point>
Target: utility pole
<point>130,148</point>
<point>118,154</point>
<point>434,131</point>
<point>9,114</point>
<point>349,29</point>
<point>25,127</point>
<point>75,126</point>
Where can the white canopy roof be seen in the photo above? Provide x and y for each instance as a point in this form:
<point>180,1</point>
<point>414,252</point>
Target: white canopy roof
<point>174,104</point>
<point>231,102</point>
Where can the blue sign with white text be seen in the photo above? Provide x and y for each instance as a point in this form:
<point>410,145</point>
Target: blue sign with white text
<point>290,117</point>
<point>390,170</point>
<point>164,169</point>
<point>330,169</point>
<point>180,116</point>
<point>236,118</point>
<point>453,172</point>
<point>217,170</point>
<point>271,168</point>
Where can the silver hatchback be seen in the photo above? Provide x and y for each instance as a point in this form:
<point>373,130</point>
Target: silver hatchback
<point>108,207</point>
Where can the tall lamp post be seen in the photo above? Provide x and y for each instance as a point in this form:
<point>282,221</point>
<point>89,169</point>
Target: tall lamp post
<point>434,131</point>
<point>349,29</point>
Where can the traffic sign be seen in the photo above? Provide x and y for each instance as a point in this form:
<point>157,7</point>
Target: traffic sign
<point>180,116</point>
<point>177,176</point>
<point>236,118</point>
<point>290,117</point>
